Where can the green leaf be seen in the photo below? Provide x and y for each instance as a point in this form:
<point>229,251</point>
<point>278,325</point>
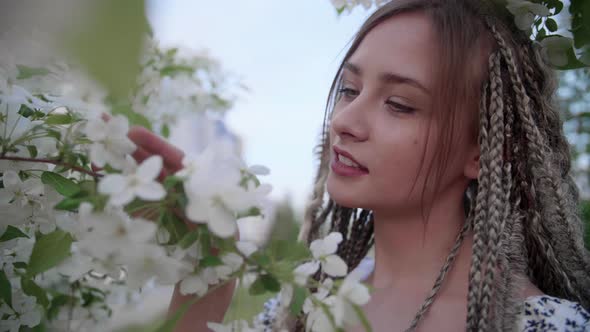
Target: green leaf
<point>171,181</point>
<point>288,250</point>
<point>32,151</point>
<point>49,250</point>
<point>25,111</point>
<point>54,133</point>
<point>580,15</point>
<point>70,204</point>
<point>59,119</point>
<point>270,283</point>
<point>170,323</point>
<point>209,261</point>
<point>62,185</point>
<point>189,239</point>
<point>253,211</point>
<point>58,301</point>
<point>362,317</point>
<point>542,34</point>
<point>558,5</point>
<point>261,259</point>
<point>12,232</point>
<point>5,288</point>
<point>134,118</point>
<point>257,287</point>
<point>25,72</point>
<point>282,269</point>
<point>20,265</point>
<point>244,305</point>
<point>32,289</point>
<point>175,69</point>
<point>551,25</point>
<point>165,131</point>
<point>299,296</point>
<point>175,227</point>
<point>109,43</point>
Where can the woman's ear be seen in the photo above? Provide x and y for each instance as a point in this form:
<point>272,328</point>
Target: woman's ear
<point>471,170</point>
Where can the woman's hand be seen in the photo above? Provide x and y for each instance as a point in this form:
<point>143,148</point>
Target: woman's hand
<point>214,305</point>
<point>149,144</point>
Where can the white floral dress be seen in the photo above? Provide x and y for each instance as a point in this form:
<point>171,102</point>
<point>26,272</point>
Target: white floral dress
<point>541,313</point>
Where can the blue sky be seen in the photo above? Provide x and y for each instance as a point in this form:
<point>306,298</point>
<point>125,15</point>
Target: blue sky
<point>287,53</point>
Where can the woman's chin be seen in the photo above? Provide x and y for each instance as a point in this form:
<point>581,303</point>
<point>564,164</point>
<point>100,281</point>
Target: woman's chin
<point>343,194</point>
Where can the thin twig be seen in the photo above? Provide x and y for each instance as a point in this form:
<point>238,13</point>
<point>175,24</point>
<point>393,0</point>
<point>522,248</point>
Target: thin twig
<point>53,162</point>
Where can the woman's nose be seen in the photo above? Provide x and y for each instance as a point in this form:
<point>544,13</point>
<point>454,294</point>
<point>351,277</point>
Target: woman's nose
<point>350,122</point>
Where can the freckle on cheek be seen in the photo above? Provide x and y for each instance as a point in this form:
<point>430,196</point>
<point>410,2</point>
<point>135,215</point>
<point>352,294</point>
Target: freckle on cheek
<point>415,141</point>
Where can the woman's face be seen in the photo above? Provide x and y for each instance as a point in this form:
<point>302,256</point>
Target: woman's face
<point>382,119</point>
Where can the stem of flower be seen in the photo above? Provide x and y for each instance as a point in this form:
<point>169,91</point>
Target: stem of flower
<point>53,162</point>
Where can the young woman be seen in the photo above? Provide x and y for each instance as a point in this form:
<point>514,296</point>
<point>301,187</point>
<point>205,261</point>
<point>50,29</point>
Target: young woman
<point>444,150</point>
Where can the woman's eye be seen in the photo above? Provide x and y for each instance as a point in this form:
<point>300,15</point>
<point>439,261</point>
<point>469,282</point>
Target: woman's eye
<point>397,107</point>
<point>348,92</point>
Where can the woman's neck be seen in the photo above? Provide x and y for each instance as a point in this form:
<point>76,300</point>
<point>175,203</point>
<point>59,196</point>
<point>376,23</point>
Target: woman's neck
<point>410,253</point>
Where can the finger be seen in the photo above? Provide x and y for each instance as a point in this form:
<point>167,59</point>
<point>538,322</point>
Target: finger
<point>154,144</point>
<point>140,154</point>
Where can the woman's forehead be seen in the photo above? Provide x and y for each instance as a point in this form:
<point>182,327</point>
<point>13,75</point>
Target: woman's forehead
<point>404,44</point>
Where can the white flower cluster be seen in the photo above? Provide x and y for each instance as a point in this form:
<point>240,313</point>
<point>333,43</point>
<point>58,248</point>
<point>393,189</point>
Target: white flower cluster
<point>72,234</point>
<point>84,226</point>
<point>341,305</point>
<point>177,82</point>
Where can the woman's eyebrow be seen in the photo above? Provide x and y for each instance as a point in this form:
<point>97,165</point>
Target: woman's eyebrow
<point>387,78</point>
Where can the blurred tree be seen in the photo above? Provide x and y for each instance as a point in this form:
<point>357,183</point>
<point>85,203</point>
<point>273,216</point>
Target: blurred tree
<point>286,221</point>
<point>574,102</point>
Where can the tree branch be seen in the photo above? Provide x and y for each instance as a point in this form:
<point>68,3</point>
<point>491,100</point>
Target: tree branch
<point>53,162</point>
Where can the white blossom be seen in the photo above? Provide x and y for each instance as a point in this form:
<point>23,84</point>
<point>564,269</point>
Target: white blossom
<point>142,183</point>
<point>324,254</point>
<point>112,232</point>
<point>340,305</point>
<point>110,142</point>
<point>246,248</point>
<point>556,48</point>
<point>525,11</point>
<point>199,283</point>
<point>20,192</point>
<point>215,195</point>
<point>147,261</point>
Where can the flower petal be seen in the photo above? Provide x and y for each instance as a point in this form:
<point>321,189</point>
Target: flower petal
<point>118,125</point>
<point>112,184</point>
<point>331,243</point>
<point>11,180</point>
<point>246,248</point>
<point>303,271</point>
<point>222,223</point>
<point>95,129</point>
<point>121,198</point>
<point>193,285</point>
<point>152,191</point>
<point>150,168</point>
<point>334,266</point>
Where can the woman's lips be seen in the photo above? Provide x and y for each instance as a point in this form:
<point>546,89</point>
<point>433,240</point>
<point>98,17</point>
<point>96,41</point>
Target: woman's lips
<point>342,169</point>
<point>341,152</point>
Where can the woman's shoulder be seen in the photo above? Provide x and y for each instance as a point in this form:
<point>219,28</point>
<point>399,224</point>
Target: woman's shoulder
<point>547,313</point>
